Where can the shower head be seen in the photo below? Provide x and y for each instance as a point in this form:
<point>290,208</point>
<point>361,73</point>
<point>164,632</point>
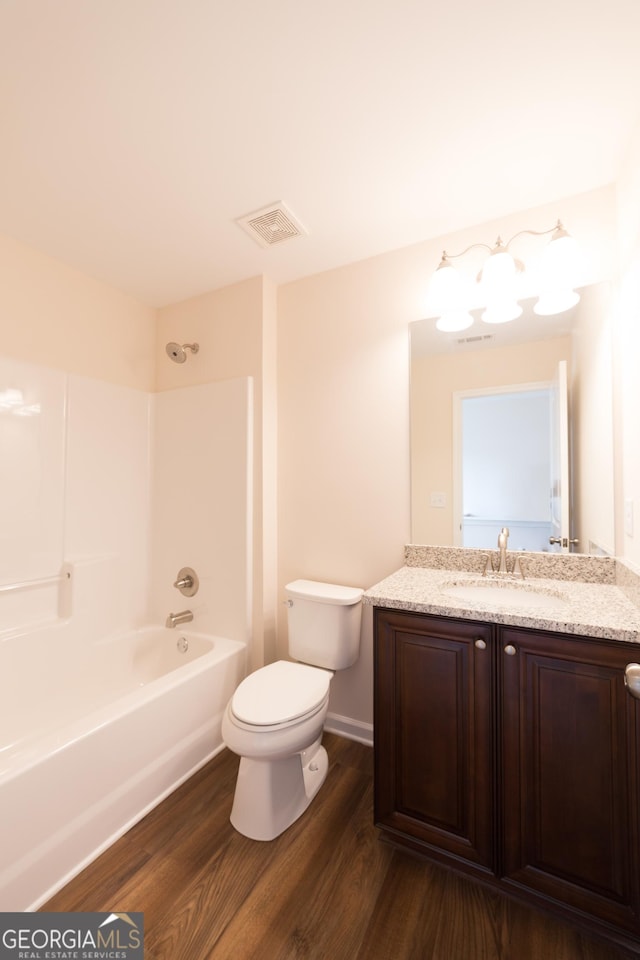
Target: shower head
<point>178,353</point>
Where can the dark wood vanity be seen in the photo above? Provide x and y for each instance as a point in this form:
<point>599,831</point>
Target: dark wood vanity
<point>513,755</point>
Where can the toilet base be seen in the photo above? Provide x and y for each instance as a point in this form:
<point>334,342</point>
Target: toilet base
<point>271,794</point>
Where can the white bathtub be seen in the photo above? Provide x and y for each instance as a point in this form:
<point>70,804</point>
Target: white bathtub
<point>92,740</point>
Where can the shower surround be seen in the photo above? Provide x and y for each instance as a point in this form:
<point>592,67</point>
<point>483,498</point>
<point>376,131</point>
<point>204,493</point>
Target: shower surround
<point>113,490</point>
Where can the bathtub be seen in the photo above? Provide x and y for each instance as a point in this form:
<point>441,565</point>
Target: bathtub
<point>92,740</point>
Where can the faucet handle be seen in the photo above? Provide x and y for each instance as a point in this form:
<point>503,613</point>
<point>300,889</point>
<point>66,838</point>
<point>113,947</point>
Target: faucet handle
<point>518,568</point>
<point>187,582</point>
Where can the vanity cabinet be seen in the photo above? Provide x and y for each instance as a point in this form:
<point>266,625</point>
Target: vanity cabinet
<point>513,755</point>
<point>570,799</point>
<point>434,734</point>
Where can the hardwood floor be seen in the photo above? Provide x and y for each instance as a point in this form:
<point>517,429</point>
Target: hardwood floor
<point>327,889</point>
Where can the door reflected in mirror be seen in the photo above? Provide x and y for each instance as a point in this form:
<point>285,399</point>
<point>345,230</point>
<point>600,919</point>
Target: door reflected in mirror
<point>573,496</point>
<point>504,473</point>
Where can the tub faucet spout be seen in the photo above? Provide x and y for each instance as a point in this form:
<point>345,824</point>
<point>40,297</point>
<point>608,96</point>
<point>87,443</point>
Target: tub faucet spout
<point>185,616</point>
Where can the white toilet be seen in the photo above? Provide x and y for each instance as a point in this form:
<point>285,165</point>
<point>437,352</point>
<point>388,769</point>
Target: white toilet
<point>275,718</point>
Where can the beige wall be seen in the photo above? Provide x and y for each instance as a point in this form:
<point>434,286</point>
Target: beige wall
<point>434,379</point>
<point>627,353</point>
<point>343,451</point>
<point>592,422</point>
<point>227,324</point>
<point>55,316</point>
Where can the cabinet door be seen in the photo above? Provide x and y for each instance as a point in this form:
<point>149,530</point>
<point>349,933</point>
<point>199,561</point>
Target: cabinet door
<point>570,797</point>
<point>434,757</point>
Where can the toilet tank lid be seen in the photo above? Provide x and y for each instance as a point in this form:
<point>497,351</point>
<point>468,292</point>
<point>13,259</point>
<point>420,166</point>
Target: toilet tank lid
<point>323,592</point>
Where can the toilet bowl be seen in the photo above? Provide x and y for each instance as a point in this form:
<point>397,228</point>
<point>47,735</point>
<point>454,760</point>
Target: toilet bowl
<point>283,763</point>
<point>278,710</point>
<point>274,720</point>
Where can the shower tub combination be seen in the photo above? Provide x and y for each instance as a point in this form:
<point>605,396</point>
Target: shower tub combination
<point>94,739</point>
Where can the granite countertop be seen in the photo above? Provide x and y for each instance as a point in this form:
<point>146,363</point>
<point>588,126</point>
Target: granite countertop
<point>583,608</point>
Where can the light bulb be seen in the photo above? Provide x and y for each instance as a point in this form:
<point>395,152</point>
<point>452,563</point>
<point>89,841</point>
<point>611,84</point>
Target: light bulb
<point>454,320</point>
<point>557,272</point>
<point>498,273</point>
<point>560,256</point>
<point>501,311</point>
<point>556,301</point>
<point>445,288</point>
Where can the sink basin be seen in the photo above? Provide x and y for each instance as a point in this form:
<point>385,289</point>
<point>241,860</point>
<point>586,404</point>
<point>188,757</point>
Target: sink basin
<point>511,595</point>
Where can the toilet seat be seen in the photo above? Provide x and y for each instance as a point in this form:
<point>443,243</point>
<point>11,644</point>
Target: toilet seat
<point>280,693</point>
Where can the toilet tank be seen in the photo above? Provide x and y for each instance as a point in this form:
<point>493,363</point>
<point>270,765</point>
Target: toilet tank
<point>324,623</point>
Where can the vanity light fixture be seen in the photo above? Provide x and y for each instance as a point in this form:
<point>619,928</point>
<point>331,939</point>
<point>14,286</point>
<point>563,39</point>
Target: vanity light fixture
<point>451,292</point>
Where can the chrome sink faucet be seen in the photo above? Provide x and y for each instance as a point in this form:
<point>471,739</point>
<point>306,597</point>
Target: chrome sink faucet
<point>185,616</point>
<point>503,537</point>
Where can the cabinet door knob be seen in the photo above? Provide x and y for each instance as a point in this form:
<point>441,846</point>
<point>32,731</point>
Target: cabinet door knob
<point>481,644</point>
<point>510,650</point>
<point>632,679</point>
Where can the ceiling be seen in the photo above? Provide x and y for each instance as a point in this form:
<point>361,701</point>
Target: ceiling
<point>134,133</point>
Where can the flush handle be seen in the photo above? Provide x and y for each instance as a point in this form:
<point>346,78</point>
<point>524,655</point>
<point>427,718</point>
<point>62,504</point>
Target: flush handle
<point>632,679</point>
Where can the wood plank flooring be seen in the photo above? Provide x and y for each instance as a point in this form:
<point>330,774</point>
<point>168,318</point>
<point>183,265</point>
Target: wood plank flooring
<point>327,889</point>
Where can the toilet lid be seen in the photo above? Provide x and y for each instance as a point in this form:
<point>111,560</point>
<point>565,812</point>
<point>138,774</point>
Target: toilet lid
<point>279,692</point>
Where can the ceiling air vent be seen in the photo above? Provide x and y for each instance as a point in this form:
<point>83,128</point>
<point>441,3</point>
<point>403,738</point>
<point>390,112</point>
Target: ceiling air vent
<point>477,339</point>
<point>273,225</point>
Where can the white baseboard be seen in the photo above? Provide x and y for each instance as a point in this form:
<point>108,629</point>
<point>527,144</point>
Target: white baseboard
<point>349,728</point>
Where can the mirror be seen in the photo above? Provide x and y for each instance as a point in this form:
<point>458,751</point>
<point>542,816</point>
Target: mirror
<point>493,359</point>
